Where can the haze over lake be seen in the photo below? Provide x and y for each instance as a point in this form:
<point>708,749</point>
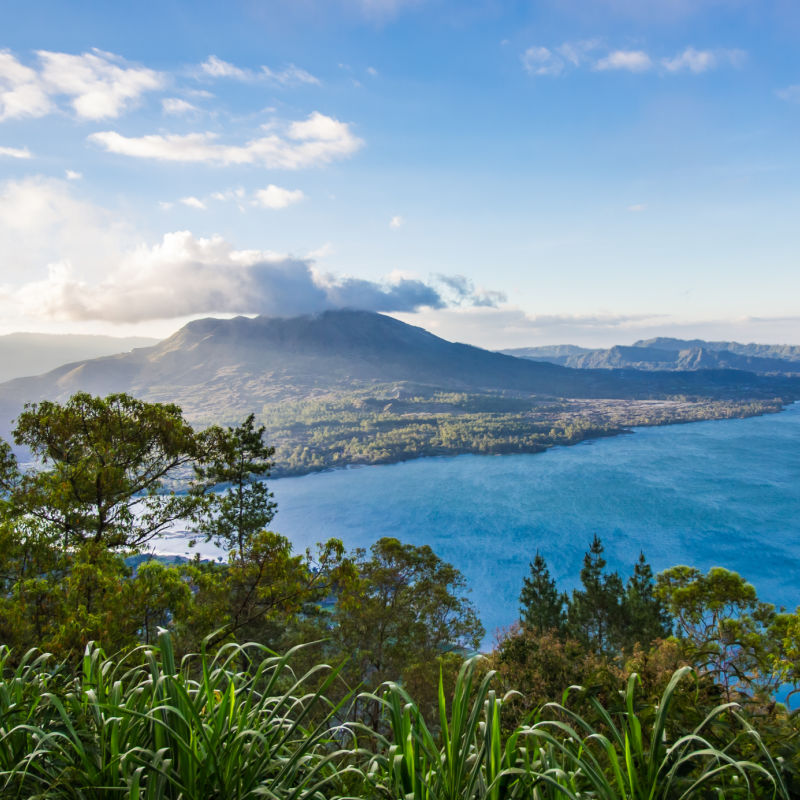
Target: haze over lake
<point>709,493</point>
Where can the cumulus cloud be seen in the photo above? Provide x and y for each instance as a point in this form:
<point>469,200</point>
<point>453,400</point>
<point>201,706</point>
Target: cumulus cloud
<point>15,152</point>
<point>316,140</point>
<point>22,92</point>
<point>69,260</point>
<point>630,60</point>
<point>72,175</point>
<point>98,85</point>
<point>276,197</point>
<point>44,220</point>
<point>396,222</point>
<point>290,75</point>
<point>184,275</point>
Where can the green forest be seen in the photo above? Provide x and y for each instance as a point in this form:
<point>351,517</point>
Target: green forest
<point>391,423</point>
<point>347,674</point>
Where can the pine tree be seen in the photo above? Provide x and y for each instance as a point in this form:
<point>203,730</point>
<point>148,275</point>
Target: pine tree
<point>644,616</point>
<point>594,615</point>
<point>541,604</point>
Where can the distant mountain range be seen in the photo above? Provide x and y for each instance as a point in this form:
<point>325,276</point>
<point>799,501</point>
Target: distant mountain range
<point>219,370</point>
<point>672,355</point>
<point>33,353</point>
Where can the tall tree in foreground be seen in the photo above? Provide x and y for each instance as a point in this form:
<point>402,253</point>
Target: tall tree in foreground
<point>595,611</point>
<point>541,604</point>
<point>102,469</point>
<point>645,617</point>
<point>406,610</point>
<point>236,464</point>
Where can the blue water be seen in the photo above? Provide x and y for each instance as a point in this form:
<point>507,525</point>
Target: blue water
<point>721,493</point>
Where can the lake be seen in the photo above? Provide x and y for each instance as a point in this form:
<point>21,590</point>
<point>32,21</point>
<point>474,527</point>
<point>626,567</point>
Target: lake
<point>723,493</point>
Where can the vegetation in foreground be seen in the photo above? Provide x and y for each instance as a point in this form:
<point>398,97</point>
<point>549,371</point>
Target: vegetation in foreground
<point>242,724</point>
<point>678,671</point>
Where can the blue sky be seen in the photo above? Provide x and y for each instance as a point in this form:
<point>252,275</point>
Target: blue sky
<point>503,173</point>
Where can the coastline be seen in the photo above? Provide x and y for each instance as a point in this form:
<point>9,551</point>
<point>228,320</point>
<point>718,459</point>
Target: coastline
<point>584,435</point>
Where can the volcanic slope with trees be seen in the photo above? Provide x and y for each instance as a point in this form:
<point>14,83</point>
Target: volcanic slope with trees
<point>343,387</point>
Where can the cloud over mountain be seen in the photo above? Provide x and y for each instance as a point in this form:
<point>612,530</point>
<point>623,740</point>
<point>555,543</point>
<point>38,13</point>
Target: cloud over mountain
<point>184,275</point>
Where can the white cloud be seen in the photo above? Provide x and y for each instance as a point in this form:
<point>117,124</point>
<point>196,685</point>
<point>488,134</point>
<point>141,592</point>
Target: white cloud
<point>193,202</point>
<point>703,60</point>
<point>397,222</point>
<point>217,68</point>
<point>175,105</point>
<point>275,197</point>
<point>290,75</point>
<point>98,85</point>
<point>316,140</point>
<point>630,60</point>
<point>71,175</point>
<point>22,93</point>
<point>791,94</point>
<point>372,71</point>
<point>184,275</point>
<point>44,220</point>
<point>15,152</point>
<point>637,207</point>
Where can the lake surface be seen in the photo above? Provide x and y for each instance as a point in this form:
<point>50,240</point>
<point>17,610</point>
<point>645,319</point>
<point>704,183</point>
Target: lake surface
<point>721,493</point>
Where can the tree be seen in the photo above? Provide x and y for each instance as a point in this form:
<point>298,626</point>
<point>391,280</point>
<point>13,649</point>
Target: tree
<point>644,617</point>
<point>102,463</point>
<point>724,628</point>
<point>238,460</point>
<point>595,612</point>
<point>541,604</point>
<point>264,592</point>
<point>406,608</point>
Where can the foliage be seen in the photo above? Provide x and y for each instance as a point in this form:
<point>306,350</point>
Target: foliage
<point>630,755</point>
<point>724,628</point>
<point>101,468</point>
<point>541,604</point>
<point>238,460</point>
<point>389,423</point>
<point>406,608</point>
<point>238,725</point>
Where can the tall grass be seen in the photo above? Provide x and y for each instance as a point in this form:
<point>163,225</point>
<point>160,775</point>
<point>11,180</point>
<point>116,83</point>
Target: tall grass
<point>622,756</point>
<point>240,724</point>
<point>236,725</point>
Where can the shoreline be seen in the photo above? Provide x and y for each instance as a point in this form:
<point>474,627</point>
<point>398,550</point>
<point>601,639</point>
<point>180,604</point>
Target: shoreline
<point>587,436</point>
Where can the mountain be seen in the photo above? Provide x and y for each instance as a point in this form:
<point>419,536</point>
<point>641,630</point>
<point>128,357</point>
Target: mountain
<point>672,355</point>
<point>33,353</point>
<point>222,369</point>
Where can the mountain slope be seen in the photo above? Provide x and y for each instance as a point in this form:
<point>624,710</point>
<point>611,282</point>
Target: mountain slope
<point>34,353</point>
<point>220,369</point>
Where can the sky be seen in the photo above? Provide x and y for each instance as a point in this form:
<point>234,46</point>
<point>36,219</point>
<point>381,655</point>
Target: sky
<point>504,173</point>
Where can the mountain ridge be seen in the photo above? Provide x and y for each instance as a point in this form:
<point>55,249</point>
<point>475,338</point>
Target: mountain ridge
<point>221,369</point>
